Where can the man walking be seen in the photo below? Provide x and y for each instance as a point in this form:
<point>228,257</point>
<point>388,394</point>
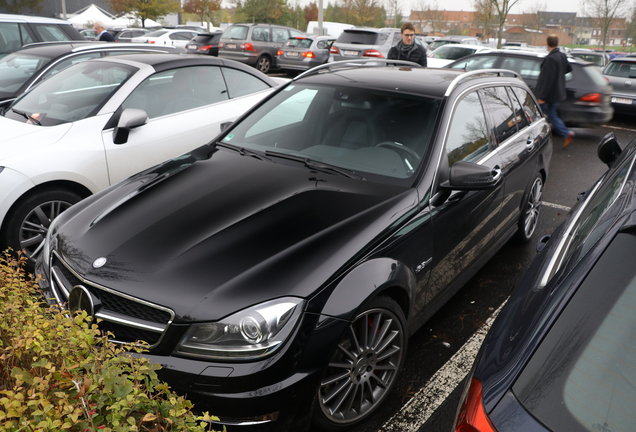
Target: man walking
<point>407,49</point>
<point>102,34</point>
<point>550,88</point>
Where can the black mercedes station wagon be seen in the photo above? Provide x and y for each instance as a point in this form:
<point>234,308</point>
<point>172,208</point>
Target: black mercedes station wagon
<point>278,272</point>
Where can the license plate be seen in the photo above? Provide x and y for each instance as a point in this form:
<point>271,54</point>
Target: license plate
<point>350,53</point>
<point>292,54</point>
<point>231,46</point>
<point>624,101</point>
<point>193,47</point>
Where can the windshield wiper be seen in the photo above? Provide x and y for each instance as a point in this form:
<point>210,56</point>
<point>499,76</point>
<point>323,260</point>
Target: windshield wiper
<point>27,116</point>
<point>242,151</point>
<point>318,166</point>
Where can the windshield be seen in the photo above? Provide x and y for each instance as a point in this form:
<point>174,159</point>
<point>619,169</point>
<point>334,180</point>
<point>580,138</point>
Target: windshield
<point>365,131</point>
<point>75,93</point>
<point>16,69</point>
<point>621,69</point>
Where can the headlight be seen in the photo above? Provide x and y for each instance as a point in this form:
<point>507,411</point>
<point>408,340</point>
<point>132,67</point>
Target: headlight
<point>251,333</point>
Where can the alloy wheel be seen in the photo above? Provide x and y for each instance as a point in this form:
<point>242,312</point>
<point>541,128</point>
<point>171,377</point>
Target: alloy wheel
<point>36,224</point>
<point>263,64</point>
<point>363,368</point>
<point>533,207</point>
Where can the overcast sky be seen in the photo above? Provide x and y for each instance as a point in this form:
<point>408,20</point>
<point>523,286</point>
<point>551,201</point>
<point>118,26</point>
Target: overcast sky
<point>520,7</point>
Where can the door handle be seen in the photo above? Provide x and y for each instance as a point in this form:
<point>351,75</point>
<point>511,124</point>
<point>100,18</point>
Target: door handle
<point>496,174</point>
<point>530,142</point>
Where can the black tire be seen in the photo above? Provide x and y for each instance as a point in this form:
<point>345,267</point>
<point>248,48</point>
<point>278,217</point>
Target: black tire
<point>530,214</point>
<point>28,221</point>
<point>363,370</point>
<point>263,64</point>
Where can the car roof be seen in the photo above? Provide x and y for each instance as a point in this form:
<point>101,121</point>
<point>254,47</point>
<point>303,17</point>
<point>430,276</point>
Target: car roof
<point>55,49</point>
<point>31,19</point>
<point>432,82</point>
<point>623,60</point>
<point>478,47</point>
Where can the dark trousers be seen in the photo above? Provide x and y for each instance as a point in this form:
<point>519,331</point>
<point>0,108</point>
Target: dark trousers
<point>550,108</point>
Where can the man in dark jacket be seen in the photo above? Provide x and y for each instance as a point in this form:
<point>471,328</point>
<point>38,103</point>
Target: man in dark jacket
<point>407,49</point>
<point>550,89</point>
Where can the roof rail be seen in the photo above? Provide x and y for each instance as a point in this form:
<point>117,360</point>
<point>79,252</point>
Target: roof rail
<point>353,63</point>
<point>460,78</point>
<point>64,42</point>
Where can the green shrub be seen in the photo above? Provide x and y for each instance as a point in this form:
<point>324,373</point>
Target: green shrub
<point>60,373</point>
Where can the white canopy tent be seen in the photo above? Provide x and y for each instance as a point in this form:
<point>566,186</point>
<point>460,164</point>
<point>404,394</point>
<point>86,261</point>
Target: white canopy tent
<point>86,17</point>
<point>129,20</point>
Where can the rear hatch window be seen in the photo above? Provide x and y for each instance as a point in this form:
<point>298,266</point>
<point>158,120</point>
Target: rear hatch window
<point>236,32</point>
<point>298,43</point>
<point>359,37</point>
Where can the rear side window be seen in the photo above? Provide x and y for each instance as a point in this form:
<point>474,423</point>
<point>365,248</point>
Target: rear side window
<point>240,83</point>
<point>50,32</point>
<point>530,109</point>
<point>499,107</point>
<point>261,34</point>
<point>279,35</point>
<point>468,132</point>
<point>359,38</point>
<point>10,39</point>
<point>527,68</point>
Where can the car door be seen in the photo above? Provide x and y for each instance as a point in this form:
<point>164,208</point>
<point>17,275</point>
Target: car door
<point>180,39</point>
<point>465,223</point>
<point>518,136</point>
<point>186,107</point>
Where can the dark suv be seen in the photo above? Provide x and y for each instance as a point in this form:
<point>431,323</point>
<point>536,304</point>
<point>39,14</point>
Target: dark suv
<point>255,44</point>
<point>278,272</point>
<point>363,42</point>
<point>19,30</point>
<point>588,92</point>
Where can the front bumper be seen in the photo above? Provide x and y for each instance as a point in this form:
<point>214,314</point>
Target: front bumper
<point>273,393</point>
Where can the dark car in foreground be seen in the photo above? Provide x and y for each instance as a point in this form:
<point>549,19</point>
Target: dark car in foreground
<point>560,355</point>
<point>205,43</point>
<point>588,92</point>
<point>22,69</point>
<point>303,53</point>
<point>278,272</point>
<point>621,73</point>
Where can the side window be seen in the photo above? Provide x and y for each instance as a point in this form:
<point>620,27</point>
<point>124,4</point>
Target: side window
<point>468,132</point>
<point>137,33</point>
<point>177,90</point>
<point>498,105</point>
<point>527,68</point>
<point>180,36</point>
<point>240,83</point>
<point>530,109</point>
<point>261,34</point>
<point>26,35</point>
<point>9,37</point>
<point>520,118</point>
<point>50,32</point>
<point>70,61</point>
<point>280,35</point>
<point>477,62</point>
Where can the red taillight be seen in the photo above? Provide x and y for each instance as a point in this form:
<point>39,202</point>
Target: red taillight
<point>247,47</point>
<point>150,41</point>
<point>205,47</point>
<point>590,99</point>
<point>334,50</point>
<point>309,54</point>
<point>221,44</point>
<point>279,53</point>
<point>472,414</point>
<point>372,53</point>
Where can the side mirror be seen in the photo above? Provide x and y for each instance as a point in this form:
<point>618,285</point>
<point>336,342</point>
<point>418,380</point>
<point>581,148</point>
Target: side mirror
<point>471,176</point>
<point>130,118</point>
<point>543,241</point>
<point>608,149</point>
<point>225,125</point>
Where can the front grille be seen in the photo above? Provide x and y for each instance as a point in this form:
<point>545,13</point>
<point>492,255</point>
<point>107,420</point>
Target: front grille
<point>127,318</point>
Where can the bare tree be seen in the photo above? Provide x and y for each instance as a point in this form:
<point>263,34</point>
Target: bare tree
<point>485,17</point>
<point>603,13</point>
<point>428,13</point>
<point>502,7</point>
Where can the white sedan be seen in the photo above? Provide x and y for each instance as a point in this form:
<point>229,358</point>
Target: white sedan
<point>446,54</point>
<point>178,38</point>
<point>100,121</point>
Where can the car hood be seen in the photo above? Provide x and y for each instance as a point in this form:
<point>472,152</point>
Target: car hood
<point>18,137</point>
<point>214,232</point>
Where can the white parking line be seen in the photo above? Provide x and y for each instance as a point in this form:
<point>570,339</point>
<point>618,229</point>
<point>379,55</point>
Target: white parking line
<point>557,206</point>
<point>417,411</point>
<point>621,128</point>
